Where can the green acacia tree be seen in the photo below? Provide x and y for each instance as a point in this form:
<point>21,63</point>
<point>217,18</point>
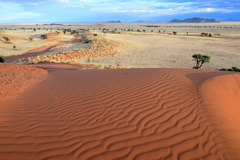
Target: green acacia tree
<point>200,59</point>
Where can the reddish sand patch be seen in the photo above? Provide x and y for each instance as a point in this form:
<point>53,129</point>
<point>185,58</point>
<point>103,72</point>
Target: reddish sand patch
<point>38,51</point>
<point>15,78</point>
<point>120,114</point>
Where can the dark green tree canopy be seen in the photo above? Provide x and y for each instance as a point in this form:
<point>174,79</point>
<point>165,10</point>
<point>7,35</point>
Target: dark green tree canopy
<point>200,59</point>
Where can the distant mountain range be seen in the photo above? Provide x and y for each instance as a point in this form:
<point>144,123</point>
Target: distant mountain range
<point>111,21</point>
<point>195,20</point>
<point>231,20</point>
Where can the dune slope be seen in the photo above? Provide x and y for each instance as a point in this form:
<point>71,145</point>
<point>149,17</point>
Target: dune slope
<point>114,114</point>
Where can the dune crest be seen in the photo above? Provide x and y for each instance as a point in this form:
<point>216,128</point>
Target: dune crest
<point>130,114</point>
<point>221,106</point>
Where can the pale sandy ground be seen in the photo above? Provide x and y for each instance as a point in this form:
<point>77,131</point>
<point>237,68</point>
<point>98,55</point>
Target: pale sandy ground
<point>123,114</point>
<point>20,39</point>
<point>147,50</point>
<point>168,51</point>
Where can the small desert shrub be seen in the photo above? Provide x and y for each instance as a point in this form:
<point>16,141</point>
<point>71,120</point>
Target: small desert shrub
<point>204,34</point>
<point>236,69</point>
<point>30,39</point>
<point>200,59</point>
<point>210,35</point>
<point>14,47</point>
<point>100,66</point>
<point>111,67</point>
<point>88,60</point>
<point>6,39</point>
<point>86,40</point>
<point>95,35</point>
<point>1,59</point>
<point>175,33</point>
<point>73,61</point>
<point>73,32</point>
<point>43,36</point>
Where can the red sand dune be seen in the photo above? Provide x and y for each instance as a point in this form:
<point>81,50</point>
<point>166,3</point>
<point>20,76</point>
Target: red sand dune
<point>15,78</point>
<point>124,114</point>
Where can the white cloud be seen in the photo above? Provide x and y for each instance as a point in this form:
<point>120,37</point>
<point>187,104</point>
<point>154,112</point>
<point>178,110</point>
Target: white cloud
<point>64,1</point>
<point>11,12</point>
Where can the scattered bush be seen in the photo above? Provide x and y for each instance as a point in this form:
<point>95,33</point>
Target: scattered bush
<point>73,61</point>
<point>100,66</point>
<point>204,34</point>
<point>175,33</point>
<point>233,69</point>
<point>73,32</point>
<point>200,59</point>
<point>210,35</point>
<point>14,47</point>
<point>6,39</point>
<point>236,69</point>
<point>86,40</point>
<point>88,60</point>
<point>30,39</point>
<point>95,35</point>
<point>1,59</point>
<point>43,36</point>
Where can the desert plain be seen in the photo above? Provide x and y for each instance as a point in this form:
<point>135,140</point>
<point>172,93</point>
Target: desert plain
<point>119,91</point>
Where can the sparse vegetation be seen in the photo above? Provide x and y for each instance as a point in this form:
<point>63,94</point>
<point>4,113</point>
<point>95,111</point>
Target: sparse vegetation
<point>86,41</point>
<point>200,59</point>
<point>99,48</point>
<point>30,39</point>
<point>204,34</point>
<point>236,69</point>
<point>43,36</point>
<point>174,32</point>
<point>6,39</point>
<point>14,47</point>
<point>88,60</point>
<point>100,66</point>
<point>73,61</point>
<point>1,59</point>
<point>233,69</point>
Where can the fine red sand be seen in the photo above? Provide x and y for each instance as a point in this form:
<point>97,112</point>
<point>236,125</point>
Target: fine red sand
<point>143,114</point>
<point>16,78</point>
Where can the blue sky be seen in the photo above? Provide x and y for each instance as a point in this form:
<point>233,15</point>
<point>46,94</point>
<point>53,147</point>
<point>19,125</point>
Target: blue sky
<point>34,11</point>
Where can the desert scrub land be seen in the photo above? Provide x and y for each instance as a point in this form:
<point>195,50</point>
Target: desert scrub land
<point>161,50</point>
<point>99,47</point>
<point>27,40</point>
<point>140,45</point>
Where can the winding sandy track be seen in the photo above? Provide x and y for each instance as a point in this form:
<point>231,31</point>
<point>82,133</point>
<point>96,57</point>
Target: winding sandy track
<point>115,114</point>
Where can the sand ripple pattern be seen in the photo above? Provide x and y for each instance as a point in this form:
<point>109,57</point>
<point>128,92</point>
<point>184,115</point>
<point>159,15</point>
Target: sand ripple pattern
<point>136,114</point>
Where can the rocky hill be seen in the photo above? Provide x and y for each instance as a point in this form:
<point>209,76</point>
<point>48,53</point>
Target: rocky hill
<point>195,20</point>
